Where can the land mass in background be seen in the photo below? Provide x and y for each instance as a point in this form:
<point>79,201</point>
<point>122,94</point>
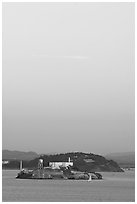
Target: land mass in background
<point>124,159</point>
<point>81,161</point>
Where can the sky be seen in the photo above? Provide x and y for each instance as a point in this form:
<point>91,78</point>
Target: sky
<point>68,77</point>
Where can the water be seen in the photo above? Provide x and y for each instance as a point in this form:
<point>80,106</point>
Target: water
<point>114,187</point>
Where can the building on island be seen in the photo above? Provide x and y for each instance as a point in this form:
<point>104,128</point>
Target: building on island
<point>5,162</point>
<point>57,165</point>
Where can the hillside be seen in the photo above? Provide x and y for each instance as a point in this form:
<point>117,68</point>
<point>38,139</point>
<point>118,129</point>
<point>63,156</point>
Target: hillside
<point>82,162</point>
<point>18,155</point>
<point>124,159</point>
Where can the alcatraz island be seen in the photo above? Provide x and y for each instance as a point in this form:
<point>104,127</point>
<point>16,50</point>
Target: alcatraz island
<point>73,165</point>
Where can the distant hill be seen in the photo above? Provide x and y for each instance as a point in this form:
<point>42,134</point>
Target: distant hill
<point>81,162</point>
<point>18,155</point>
<point>124,159</point>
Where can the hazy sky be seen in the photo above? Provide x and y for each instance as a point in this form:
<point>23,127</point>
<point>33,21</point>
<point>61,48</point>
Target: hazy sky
<point>68,77</point>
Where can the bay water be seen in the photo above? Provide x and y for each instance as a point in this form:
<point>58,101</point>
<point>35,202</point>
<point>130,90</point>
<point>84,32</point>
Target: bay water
<point>115,186</point>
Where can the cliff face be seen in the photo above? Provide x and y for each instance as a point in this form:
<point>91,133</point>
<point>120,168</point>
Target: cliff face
<point>82,162</point>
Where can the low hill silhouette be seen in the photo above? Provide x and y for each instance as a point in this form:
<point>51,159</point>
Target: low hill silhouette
<point>81,162</point>
<point>124,159</point>
<point>18,155</point>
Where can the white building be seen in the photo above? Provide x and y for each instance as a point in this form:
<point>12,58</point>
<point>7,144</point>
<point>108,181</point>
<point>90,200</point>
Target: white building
<point>57,165</point>
<point>5,162</point>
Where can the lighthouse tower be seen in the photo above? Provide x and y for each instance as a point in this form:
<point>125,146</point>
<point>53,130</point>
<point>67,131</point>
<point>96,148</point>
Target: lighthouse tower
<point>40,164</point>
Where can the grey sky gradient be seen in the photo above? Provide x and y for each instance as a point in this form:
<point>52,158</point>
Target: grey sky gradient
<point>68,77</point>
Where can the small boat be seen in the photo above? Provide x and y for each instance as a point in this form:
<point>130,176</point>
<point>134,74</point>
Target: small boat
<point>89,177</point>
